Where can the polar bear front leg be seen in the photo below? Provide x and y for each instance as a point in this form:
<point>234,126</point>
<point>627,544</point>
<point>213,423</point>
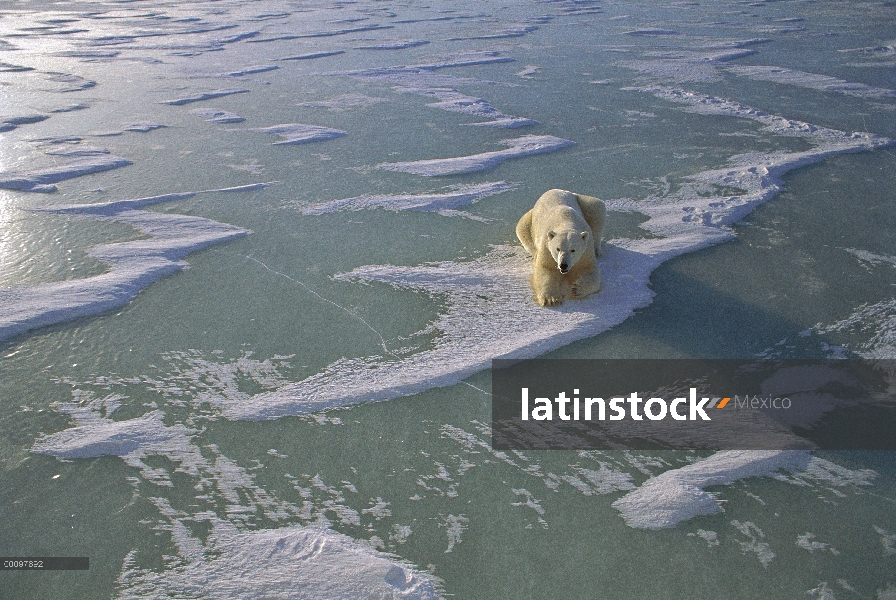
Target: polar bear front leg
<point>550,289</point>
<point>587,284</point>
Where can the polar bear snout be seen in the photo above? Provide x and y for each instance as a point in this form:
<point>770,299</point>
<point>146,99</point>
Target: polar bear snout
<point>564,268</point>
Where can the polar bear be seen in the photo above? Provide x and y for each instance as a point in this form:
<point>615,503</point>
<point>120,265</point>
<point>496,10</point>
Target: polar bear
<point>563,233</point>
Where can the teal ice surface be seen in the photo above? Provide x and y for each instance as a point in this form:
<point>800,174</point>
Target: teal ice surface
<point>178,438</point>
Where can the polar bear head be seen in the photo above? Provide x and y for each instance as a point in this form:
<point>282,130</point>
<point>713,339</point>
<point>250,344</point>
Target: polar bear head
<point>567,247</point>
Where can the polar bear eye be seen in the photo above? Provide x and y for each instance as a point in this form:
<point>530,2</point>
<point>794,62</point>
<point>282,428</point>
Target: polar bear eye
<point>572,250</point>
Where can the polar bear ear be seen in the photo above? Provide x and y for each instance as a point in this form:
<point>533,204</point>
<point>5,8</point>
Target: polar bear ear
<point>584,235</point>
<point>551,235</point>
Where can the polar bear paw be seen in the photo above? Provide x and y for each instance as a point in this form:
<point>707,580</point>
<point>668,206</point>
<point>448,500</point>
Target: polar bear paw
<point>548,300</point>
